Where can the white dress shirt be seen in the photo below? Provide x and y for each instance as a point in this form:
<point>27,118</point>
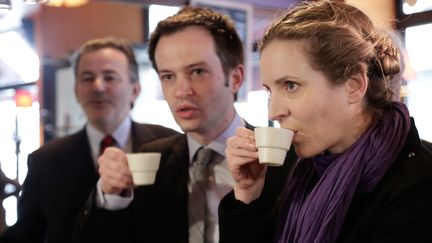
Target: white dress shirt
<point>218,188</point>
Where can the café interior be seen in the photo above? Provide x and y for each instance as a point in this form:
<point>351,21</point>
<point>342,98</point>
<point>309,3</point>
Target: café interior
<point>37,39</point>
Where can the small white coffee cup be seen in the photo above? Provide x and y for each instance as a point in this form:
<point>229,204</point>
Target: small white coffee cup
<point>143,167</point>
<point>273,144</point>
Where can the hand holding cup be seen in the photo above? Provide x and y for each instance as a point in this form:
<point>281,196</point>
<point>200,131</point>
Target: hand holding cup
<point>273,144</point>
<point>144,167</point>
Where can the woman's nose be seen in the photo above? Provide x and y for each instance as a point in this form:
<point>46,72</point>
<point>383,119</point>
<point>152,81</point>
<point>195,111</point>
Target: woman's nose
<point>277,110</point>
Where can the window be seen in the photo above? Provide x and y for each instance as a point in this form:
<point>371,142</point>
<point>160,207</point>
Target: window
<point>416,6</point>
<point>415,22</point>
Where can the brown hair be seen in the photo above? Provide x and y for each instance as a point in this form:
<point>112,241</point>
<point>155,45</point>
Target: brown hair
<point>228,45</point>
<point>341,41</point>
<point>110,42</point>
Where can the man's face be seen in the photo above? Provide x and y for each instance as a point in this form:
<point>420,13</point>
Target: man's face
<point>193,81</point>
<point>104,89</point>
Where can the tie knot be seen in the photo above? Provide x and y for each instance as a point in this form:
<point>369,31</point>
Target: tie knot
<point>107,141</point>
<point>203,155</point>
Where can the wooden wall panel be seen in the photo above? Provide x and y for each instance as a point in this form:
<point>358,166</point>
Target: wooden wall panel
<point>382,12</point>
<point>60,30</point>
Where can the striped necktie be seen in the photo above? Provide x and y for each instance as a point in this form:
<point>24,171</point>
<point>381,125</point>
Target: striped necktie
<point>197,202</point>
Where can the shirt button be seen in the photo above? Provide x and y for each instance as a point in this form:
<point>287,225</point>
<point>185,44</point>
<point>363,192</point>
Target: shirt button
<point>410,155</point>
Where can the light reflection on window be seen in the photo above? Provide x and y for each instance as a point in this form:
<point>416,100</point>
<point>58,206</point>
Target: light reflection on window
<point>19,56</point>
<point>419,96</point>
<point>158,13</point>
<point>416,6</point>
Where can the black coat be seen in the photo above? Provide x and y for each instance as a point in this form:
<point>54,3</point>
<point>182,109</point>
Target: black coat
<point>399,209</point>
<point>60,178</point>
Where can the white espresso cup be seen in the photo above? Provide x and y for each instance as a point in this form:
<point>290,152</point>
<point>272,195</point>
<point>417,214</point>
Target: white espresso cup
<point>273,144</point>
<point>143,167</point>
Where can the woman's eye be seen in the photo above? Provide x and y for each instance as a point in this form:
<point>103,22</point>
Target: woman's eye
<point>291,86</point>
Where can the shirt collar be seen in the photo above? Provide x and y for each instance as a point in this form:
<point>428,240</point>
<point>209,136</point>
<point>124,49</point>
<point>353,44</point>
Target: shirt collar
<point>120,134</point>
<point>219,144</point>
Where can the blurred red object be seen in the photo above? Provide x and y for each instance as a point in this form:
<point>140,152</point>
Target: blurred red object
<point>23,98</point>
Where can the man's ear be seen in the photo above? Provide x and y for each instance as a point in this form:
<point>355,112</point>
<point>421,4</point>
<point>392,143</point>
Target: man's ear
<point>356,87</point>
<point>76,90</point>
<point>136,89</point>
<point>236,78</point>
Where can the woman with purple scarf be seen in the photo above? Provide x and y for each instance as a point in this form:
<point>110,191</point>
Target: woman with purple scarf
<point>363,174</point>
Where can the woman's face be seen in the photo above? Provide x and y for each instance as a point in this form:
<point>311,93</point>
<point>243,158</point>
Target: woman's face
<point>303,100</point>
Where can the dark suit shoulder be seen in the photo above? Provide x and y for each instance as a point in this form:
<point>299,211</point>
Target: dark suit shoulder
<point>164,144</point>
<point>153,129</point>
<point>145,133</point>
<point>60,145</point>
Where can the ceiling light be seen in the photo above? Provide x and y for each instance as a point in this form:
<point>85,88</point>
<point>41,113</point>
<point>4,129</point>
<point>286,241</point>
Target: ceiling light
<point>66,3</point>
<point>58,3</point>
<point>35,1</point>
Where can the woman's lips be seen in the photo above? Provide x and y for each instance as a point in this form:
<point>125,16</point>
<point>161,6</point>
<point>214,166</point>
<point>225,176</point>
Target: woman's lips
<point>296,137</point>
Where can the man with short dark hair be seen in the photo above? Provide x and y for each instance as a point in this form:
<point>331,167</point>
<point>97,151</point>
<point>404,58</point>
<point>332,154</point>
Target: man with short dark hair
<point>199,59</point>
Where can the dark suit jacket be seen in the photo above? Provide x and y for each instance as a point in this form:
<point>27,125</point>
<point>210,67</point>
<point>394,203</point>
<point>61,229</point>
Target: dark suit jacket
<point>427,145</point>
<point>397,210</point>
<point>61,175</point>
<point>158,213</point>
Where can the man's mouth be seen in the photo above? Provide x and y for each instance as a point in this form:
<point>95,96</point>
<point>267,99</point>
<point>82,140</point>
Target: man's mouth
<point>186,111</point>
<point>98,102</point>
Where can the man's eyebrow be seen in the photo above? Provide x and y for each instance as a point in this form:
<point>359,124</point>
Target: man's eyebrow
<point>85,72</point>
<point>192,65</point>
<point>196,64</point>
<point>108,71</point>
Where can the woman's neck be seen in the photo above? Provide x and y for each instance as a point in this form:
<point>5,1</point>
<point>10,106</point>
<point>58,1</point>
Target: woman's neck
<point>361,123</point>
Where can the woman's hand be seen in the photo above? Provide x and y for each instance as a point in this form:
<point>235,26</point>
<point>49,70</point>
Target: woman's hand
<point>242,157</point>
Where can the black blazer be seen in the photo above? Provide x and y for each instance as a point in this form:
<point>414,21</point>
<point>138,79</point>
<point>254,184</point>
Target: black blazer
<point>397,210</point>
<point>60,177</point>
<point>427,145</point>
<point>158,213</point>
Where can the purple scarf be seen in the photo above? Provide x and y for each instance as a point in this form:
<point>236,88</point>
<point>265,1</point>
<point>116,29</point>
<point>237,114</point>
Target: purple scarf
<point>315,211</point>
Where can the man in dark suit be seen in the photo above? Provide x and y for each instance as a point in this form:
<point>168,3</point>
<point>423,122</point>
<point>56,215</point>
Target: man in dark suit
<point>199,59</point>
<point>63,173</point>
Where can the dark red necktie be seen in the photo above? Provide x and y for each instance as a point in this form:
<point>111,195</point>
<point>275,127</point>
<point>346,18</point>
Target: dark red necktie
<point>107,141</point>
